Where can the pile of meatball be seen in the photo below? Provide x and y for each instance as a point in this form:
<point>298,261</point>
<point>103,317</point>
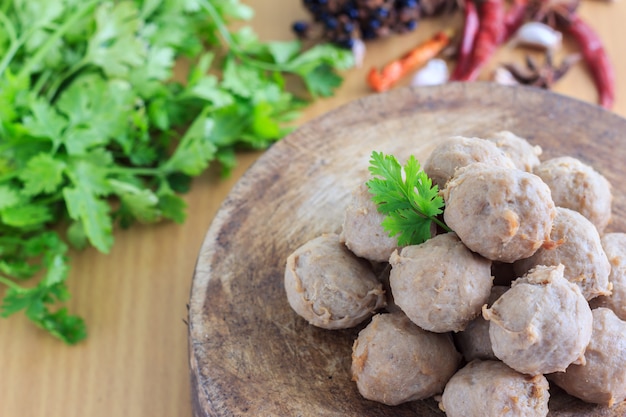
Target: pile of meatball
<point>527,290</point>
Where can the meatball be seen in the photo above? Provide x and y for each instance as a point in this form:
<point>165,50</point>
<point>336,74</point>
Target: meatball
<point>329,286</point>
<point>602,379</point>
<point>614,245</point>
<point>524,155</point>
<point>362,231</point>
<point>457,152</point>
<point>473,342</point>
<point>492,389</point>
<point>577,186</point>
<point>542,324</point>
<point>503,214</point>
<point>579,248</point>
<point>440,284</point>
<point>394,361</point>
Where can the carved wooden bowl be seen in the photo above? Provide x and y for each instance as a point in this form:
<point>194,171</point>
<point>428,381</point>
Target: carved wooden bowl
<point>250,354</point>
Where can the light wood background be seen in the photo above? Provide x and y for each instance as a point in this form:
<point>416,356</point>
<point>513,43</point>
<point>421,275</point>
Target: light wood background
<point>134,362</point>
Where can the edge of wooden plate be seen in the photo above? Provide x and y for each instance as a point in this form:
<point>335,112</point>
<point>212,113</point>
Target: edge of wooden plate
<point>249,353</point>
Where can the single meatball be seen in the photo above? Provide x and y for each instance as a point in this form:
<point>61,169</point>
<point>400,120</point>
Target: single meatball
<point>473,342</point>
<point>579,248</point>
<point>524,155</point>
<point>503,214</point>
<point>440,284</point>
<point>457,152</point>
<point>394,361</point>
<point>329,286</point>
<point>362,231</point>
<point>542,324</point>
<point>492,389</point>
<point>614,245</point>
<point>577,186</point>
<point>602,379</point>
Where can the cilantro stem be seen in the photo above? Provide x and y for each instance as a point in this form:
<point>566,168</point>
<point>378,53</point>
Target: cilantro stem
<point>16,43</point>
<point>9,283</point>
<point>157,172</point>
<point>54,37</point>
<point>42,80</point>
<point>441,224</point>
<point>232,45</point>
<point>59,80</point>
<point>9,27</point>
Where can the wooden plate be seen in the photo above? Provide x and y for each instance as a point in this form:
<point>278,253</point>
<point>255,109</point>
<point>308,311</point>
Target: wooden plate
<point>250,354</point>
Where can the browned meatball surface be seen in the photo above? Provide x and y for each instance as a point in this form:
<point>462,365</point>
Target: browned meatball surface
<point>329,286</point>
<point>440,284</point>
<point>362,231</point>
<point>614,245</point>
<point>394,361</point>
<point>459,151</point>
<point>577,186</point>
<point>579,250</point>
<point>524,155</point>
<point>503,214</point>
<point>474,342</point>
<point>542,324</point>
<point>492,389</point>
<point>602,379</point>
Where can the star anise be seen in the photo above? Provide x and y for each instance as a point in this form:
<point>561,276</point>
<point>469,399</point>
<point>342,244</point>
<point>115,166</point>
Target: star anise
<point>541,75</point>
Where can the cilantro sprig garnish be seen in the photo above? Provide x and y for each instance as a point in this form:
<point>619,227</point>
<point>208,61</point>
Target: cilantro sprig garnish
<point>96,133</point>
<point>407,198</point>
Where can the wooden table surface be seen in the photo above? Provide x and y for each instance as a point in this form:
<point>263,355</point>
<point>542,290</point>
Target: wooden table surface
<point>134,362</point>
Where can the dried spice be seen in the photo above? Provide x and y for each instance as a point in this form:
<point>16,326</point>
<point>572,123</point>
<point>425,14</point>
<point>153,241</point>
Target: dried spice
<point>541,75</point>
<point>489,36</point>
<point>344,21</point>
<point>595,56</point>
<point>411,61</point>
<point>466,46</point>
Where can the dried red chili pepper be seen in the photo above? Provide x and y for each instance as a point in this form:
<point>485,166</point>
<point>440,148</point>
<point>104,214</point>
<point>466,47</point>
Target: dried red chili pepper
<point>595,56</point>
<point>395,70</point>
<point>489,37</point>
<point>514,18</point>
<point>470,29</point>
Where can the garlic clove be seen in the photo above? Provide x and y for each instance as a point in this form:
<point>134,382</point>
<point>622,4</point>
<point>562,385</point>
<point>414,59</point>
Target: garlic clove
<point>435,72</point>
<point>538,35</point>
<point>358,52</point>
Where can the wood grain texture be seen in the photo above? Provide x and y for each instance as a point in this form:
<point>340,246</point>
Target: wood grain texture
<point>250,353</point>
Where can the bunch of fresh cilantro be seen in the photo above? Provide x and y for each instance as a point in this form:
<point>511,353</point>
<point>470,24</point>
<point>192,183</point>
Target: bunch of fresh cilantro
<point>94,132</point>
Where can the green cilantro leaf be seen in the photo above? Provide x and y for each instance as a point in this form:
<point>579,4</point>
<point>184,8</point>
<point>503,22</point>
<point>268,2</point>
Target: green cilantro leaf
<point>136,203</point>
<point>406,196</point>
<point>283,52</point>
<point>45,121</point>
<point>232,9</point>
<point>9,196</point>
<point>321,80</point>
<point>93,213</point>
<point>171,205</point>
<point>116,46</point>
<point>42,174</point>
<point>194,152</point>
<point>76,235</point>
<point>26,215</point>
<point>51,289</point>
